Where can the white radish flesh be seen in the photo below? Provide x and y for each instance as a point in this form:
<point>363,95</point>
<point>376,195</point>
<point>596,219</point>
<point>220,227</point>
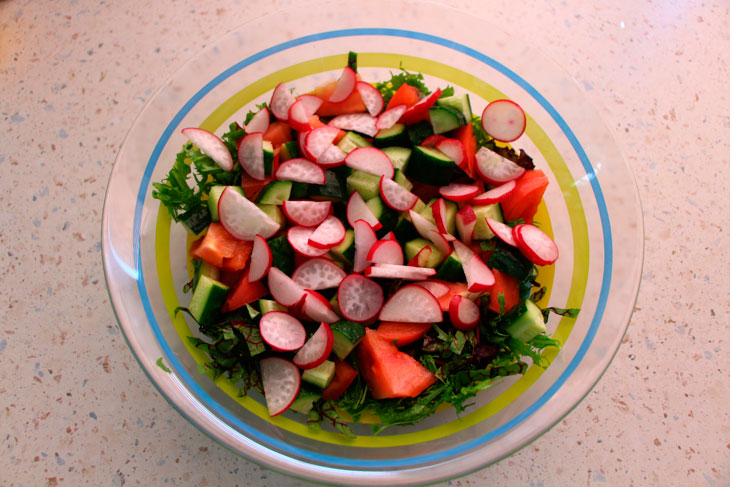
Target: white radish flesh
<point>307,213</point>
<point>281,100</point>
<point>242,218</point>
<point>329,233</point>
<point>495,169</point>
<point>436,288</point>
<point>370,160</point>
<point>317,308</point>
<point>319,140</point>
<point>333,156</point>
<point>504,120</point>
<point>390,117</point>
<point>459,192</point>
<point>504,232</point>
<point>412,304</point>
<point>405,272</point>
<point>281,380</point>
<point>359,298</point>
<point>495,195</point>
<point>261,259</point>
<point>298,237</point>
<point>371,97</point>
<point>386,252</point>
<point>396,196</point>
<point>363,123</point>
<point>463,313</point>
<point>358,210</point>
<point>251,155</point>
<point>344,87</point>
<point>211,145</point>
<point>281,331</point>
<point>259,122</point>
<point>318,273</point>
<point>535,244</point>
<point>365,238</point>
<point>317,348</point>
<point>300,170</point>
<point>466,220</point>
<point>283,289</point>
<point>455,150</point>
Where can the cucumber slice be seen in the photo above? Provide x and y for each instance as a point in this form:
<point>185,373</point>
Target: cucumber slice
<point>346,337</point>
<point>413,246</point>
<point>282,254</point>
<point>510,261</point>
<point>368,185</point>
<point>431,166</point>
<point>460,102</point>
<point>268,157</point>
<point>397,135</point>
<point>444,119</point>
<point>196,219</point>
<point>351,141</point>
<point>481,229</point>
<point>333,188</point>
<point>398,156</point>
<point>214,195</point>
<point>401,179</point>
<point>305,401</point>
<point>527,325</point>
<point>451,269</point>
<point>275,193</point>
<point>386,216</point>
<point>345,252</point>
<point>418,132</point>
<point>321,375</point>
<point>208,297</point>
<point>289,150</point>
<point>266,305</point>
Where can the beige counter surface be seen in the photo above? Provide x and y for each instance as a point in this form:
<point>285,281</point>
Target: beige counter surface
<point>75,407</point>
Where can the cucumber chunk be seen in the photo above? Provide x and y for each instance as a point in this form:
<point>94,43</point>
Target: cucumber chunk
<point>368,185</point>
<point>268,157</point>
<point>274,212</point>
<point>414,246</point>
<point>305,401</point>
<point>321,375</point>
<point>460,102</point>
<point>398,156</point>
<point>289,150</point>
<point>397,135</point>
<point>346,337</point>
<point>351,141</point>
<point>345,252</point>
<point>214,195</point>
<point>444,119</point>
<point>266,305</point>
<point>430,166</point>
<point>208,297</point>
<point>451,269</point>
<point>275,193</point>
<point>527,325</point>
<point>481,229</point>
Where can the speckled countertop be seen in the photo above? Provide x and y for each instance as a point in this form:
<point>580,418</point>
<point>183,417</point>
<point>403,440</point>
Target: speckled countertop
<point>75,407</point>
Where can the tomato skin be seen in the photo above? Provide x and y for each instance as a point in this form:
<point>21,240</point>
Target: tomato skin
<point>351,104</point>
<point>252,187</point>
<point>345,374</point>
<point>507,286</point>
<point>405,95</point>
<point>221,249</point>
<point>465,135</point>
<point>243,293</point>
<point>525,198</point>
<point>278,133</point>
<point>402,333</point>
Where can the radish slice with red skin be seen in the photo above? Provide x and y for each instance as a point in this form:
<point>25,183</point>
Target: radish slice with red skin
<point>358,210</point>
<point>422,225</point>
<point>479,277</point>
<point>389,236</point>
<point>535,244</point>
<point>436,288</point>
<point>211,145</point>
<point>439,240</point>
<point>319,140</point>
<point>282,332</point>
<point>318,273</point>
<point>310,103</point>
<point>390,117</point>
<point>298,118</point>
<point>307,213</point>
<point>495,169</point>
<point>405,272</point>
<point>421,257</point>
<point>261,259</point>
<point>504,232</point>
<point>242,218</point>
<point>300,170</point>
<point>329,233</point>
<point>365,238</point>
<point>251,155</point>
<point>259,122</point>
<point>359,298</point>
<point>283,289</point>
<point>386,252</point>
<point>504,120</point>
<point>363,123</point>
<point>466,220</point>
<point>317,348</point>
<point>412,304</point>
<point>438,210</point>
<point>345,86</point>
<point>463,313</point>
<point>432,140</point>
<point>459,192</point>
<point>371,97</point>
<point>281,380</point>
<point>281,100</point>
<point>419,111</point>
<point>370,160</point>
<point>495,195</point>
<point>396,196</point>
<point>455,150</point>
<point>298,238</point>
<point>317,308</point>
<point>302,143</point>
<point>332,157</point>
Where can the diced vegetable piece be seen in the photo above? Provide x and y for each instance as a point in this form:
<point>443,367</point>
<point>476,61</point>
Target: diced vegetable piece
<point>347,335</point>
<point>298,238</point>
<point>464,313</point>
<point>370,160</point>
<point>352,104</point>
<point>358,210</point>
<point>445,119</point>
<point>305,401</point>
<point>504,232</point>
<point>386,251</point>
<point>259,122</point>
<point>221,249</point>
<point>402,334</point>
<point>419,111</point>
<point>359,298</point>
<point>277,134</point>
<point>371,97</point>
<point>344,87</point>
<point>208,297</point>
<point>451,269</point>
<point>359,122</point>
<point>478,276</point>
<point>465,135</point>
<point>345,374</point>
<point>506,286</point>
<point>529,324</point>
<point>495,169</point>
<point>481,229</point>
<point>281,100</point>
<point>459,191</point>
<point>523,201</point>
<point>284,290</point>
<point>351,141</point>
<point>307,213</point>
<point>281,331</point>
<point>504,120</point>
<point>318,273</point>
<point>281,381</point>
<point>321,375</point>
<point>430,258</point>
<point>396,196</point>
<point>390,117</point>
<point>460,102</point>
<point>211,145</point>
<point>242,218</point>
<point>394,136</point>
<point>301,170</point>
<point>214,196</point>
<point>410,304</point>
<point>430,166</point>
<point>496,194</point>
<point>535,244</point>
<point>405,95</point>
<point>317,308</point>
<point>330,233</point>
<point>261,258</point>
<point>267,305</point>
<point>316,349</point>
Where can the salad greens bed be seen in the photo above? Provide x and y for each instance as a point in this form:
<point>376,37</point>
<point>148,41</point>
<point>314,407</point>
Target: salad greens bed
<point>464,362</point>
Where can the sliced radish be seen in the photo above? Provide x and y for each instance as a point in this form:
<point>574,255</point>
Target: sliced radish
<point>358,210</point>
<point>390,117</point>
<point>466,220</point>
<point>365,238</point>
<point>359,298</point>
<point>317,308</point>
<point>386,252</point>
<point>479,277</point>
<point>211,145</point>
<point>405,272</point>
<point>504,232</point>
<point>281,331</point>
<point>281,380</point>
<point>437,288</point>
<point>455,150</point>
<point>412,304</point>
<point>419,111</point>
<point>298,237</point>
<point>439,240</point>
<point>371,160</point>
<point>283,289</point>
<point>535,244</point>
<point>307,213</point>
<point>464,313</point>
<point>302,143</point>
<point>298,118</point>
<point>310,103</point>
<point>300,170</point>
<point>251,155</point>
<point>422,225</point>
<point>389,236</point>
<point>438,210</point>
<point>317,348</point>
<point>495,195</point>
<point>459,192</point>
<point>363,123</point>
<point>371,97</point>
<point>504,120</point>
<point>333,156</point>
<point>318,273</point>
<point>432,140</point>
<point>259,122</point>
<point>242,218</point>
<point>495,169</point>
<point>261,259</point>
<point>329,233</point>
<point>396,196</point>
<point>319,140</point>
<point>345,86</point>
<point>281,99</point>
<point>422,257</point>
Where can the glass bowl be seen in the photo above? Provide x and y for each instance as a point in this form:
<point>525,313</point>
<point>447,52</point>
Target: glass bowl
<point>591,208</point>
